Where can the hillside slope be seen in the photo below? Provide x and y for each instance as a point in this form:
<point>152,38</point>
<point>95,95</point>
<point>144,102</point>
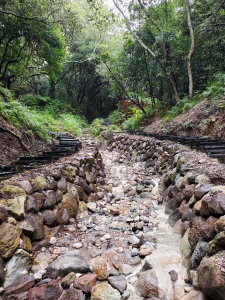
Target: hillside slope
<point>207,118</point>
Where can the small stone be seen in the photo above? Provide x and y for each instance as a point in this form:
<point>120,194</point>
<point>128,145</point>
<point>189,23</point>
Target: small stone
<point>52,240</point>
<point>107,236</point>
<point>114,211</point>
<point>118,282</point>
<point>133,240</point>
<point>92,206</point>
<point>145,251</point>
<point>68,279</point>
<point>77,245</point>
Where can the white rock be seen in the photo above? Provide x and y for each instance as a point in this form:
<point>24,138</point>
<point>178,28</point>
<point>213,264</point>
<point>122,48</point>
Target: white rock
<point>133,240</point>
<point>77,245</point>
<point>38,277</point>
<point>52,240</point>
<point>107,236</point>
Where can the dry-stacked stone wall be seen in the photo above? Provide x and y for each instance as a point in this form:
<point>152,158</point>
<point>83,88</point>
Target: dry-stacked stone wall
<point>35,205</point>
<point>193,192</point>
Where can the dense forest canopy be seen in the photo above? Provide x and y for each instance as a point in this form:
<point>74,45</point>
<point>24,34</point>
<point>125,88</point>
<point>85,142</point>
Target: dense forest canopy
<point>85,56</point>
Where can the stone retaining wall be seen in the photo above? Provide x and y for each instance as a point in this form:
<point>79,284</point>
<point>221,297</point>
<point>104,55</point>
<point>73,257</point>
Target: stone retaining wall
<point>32,209</point>
<point>192,191</point>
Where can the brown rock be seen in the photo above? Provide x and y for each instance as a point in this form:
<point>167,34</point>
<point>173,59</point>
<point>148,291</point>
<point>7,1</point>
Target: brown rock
<point>27,246</point>
<point>71,294</point>
<point>184,227</point>
<point>62,185</point>
<point>50,218</point>
<point>100,267</point>
<point>21,284</point>
<point>36,221</point>
<point>211,274</point>
<point>3,214</point>
<point>2,273</point>
<point>49,291</point>
<point>71,204</point>
<point>26,185</point>
<point>219,225</point>
<point>207,231</point>
<point>114,211</point>
<point>189,191</point>
<point>81,182</point>
<point>34,202</point>
<point>63,216</point>
<point>194,233</point>
<point>50,200</point>
<point>82,195</point>
<point>86,282</point>
<point>9,239</point>
<point>131,193</point>
<point>114,260</point>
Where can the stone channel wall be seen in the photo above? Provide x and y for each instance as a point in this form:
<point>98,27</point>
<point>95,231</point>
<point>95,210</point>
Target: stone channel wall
<point>34,205</point>
<point>193,192</point>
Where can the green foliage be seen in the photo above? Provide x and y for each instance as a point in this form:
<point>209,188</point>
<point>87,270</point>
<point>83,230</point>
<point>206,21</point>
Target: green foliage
<point>116,117</point>
<point>96,127</point>
<point>216,86</point>
<point>20,117</point>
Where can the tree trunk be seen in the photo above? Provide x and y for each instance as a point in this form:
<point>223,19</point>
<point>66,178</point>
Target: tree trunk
<point>52,89</point>
<point>192,50</point>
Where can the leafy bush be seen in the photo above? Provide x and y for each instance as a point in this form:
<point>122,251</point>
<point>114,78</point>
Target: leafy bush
<point>40,122</point>
<point>116,117</point>
<point>216,86</point>
<point>96,127</point>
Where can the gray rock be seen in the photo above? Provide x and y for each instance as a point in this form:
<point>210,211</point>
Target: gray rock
<point>50,200</point>
<point>202,190</point>
<point>3,214</point>
<point>146,266</point>
<point>34,202</point>
<point>133,240</point>
<point>70,262</point>
<point>174,217</point>
<point>118,282</point>
<point>128,259</point>
<point>139,188</point>
<point>50,218</point>
<point>36,221</point>
<point>21,284</point>
<point>125,269</point>
<point>62,185</point>
<point>147,284</point>
<point>199,252</point>
<point>17,264</point>
<point>26,185</point>
<point>26,227</point>
<point>126,295</point>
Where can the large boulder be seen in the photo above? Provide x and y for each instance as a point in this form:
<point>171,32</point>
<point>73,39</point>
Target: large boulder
<point>15,201</point>
<point>48,291</point>
<point>217,244</point>
<point>3,214</point>
<point>174,217</point>
<point>36,221</point>
<point>17,264</point>
<point>194,234</point>
<point>211,274</point>
<point>118,282</point>
<point>39,183</point>
<point>26,186</point>
<point>70,203</point>
<point>50,218</point>
<point>199,252</point>
<point>104,291</point>
<point>207,230</point>
<point>35,202</point>
<point>50,200</point>
<point>9,239</point>
<point>147,284</point>
<point>219,225</point>
<point>100,267</point>
<point>185,248</point>
<point>65,264</point>
<point>215,202</point>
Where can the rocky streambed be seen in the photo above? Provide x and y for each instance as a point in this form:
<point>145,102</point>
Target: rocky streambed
<point>138,219</point>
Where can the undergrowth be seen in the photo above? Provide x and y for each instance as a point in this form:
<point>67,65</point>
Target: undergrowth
<point>40,122</point>
<point>97,127</point>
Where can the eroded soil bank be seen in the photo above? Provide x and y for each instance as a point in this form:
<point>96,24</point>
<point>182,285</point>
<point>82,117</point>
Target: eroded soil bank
<point>108,225</point>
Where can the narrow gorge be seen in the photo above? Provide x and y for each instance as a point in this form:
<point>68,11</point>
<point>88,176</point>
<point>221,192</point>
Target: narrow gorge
<point>128,217</point>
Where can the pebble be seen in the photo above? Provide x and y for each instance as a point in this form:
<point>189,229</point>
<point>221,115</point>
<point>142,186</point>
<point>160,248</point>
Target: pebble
<point>133,240</point>
<point>107,236</point>
<point>77,245</point>
<point>52,240</point>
